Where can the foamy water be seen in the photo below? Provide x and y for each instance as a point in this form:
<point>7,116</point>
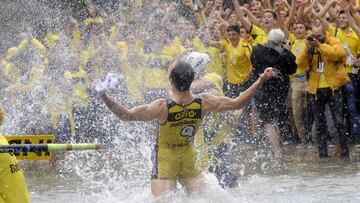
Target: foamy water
<point>93,177</point>
<point>284,188</point>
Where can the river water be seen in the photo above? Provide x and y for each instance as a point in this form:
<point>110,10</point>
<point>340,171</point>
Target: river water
<point>121,174</point>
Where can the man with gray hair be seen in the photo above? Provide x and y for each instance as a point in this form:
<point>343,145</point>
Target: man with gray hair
<point>270,100</point>
<point>276,36</point>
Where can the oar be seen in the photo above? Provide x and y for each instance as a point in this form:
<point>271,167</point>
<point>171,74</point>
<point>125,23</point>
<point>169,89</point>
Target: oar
<point>16,148</point>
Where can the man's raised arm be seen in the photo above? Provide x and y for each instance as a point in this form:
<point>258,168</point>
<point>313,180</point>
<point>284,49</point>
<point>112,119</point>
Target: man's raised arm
<point>240,15</point>
<point>146,112</point>
<point>213,103</point>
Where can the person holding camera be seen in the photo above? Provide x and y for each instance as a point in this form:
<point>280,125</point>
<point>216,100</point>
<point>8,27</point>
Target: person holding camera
<point>326,56</point>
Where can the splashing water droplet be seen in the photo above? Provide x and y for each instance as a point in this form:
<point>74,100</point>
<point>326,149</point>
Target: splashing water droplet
<point>277,74</point>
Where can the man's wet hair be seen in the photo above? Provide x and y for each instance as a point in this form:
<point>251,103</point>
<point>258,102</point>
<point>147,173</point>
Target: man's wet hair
<point>182,75</point>
<point>235,28</point>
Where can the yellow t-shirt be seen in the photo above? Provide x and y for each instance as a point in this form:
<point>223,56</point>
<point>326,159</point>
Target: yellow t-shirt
<point>174,49</point>
<point>96,20</point>
<point>1,115</point>
<point>197,44</point>
<point>216,63</point>
<point>75,41</point>
<point>123,49</point>
<point>85,56</point>
<point>155,74</point>
<point>259,36</point>
<point>80,79</point>
<point>238,64</point>
<point>134,74</point>
<point>59,103</point>
<point>351,43</point>
<point>13,73</point>
<point>51,39</point>
<point>296,47</point>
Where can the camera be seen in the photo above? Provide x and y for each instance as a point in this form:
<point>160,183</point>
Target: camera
<point>311,38</point>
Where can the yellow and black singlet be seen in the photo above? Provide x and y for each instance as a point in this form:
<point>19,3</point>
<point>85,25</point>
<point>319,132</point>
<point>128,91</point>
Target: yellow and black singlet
<point>174,155</point>
<point>181,124</point>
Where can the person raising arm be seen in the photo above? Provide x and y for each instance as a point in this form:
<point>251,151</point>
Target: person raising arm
<point>179,118</point>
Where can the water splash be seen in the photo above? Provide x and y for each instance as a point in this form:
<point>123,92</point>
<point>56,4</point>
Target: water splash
<point>121,172</point>
<point>277,74</point>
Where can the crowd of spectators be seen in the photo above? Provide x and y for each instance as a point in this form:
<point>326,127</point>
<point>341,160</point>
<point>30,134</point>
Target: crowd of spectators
<point>46,80</point>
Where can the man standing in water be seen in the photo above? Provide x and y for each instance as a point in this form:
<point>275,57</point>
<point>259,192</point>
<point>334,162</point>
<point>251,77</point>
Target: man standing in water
<point>13,187</point>
<point>270,101</point>
<point>179,117</point>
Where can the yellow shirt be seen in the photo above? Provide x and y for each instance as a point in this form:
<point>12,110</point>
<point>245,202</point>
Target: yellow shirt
<point>155,72</point>
<point>85,56</point>
<point>238,64</point>
<point>75,41</point>
<point>333,56</point>
<point>96,20</point>
<point>259,36</point>
<point>296,47</point>
<point>351,43</point>
<point>59,103</point>
<point>123,49</point>
<point>80,95</point>
<point>216,63</point>
<point>323,82</point>
<point>134,74</point>
<point>13,73</point>
<point>36,74</point>
<point>197,44</point>
<point>51,39</point>
<point>1,115</point>
<point>174,49</point>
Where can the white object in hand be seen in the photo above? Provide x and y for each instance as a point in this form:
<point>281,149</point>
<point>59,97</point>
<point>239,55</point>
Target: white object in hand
<point>111,81</point>
<point>100,86</point>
